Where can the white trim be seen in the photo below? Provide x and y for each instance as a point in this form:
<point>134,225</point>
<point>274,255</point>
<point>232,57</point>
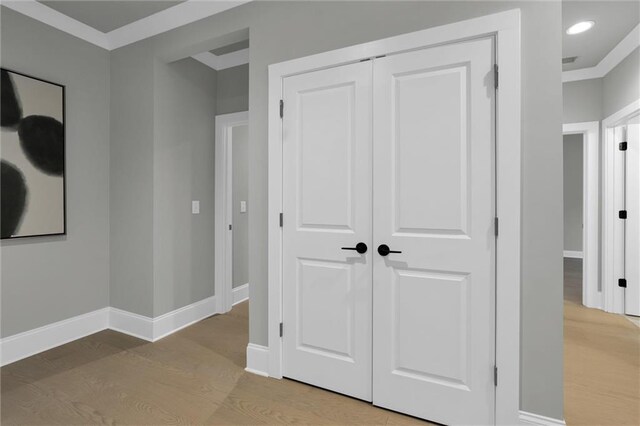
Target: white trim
<point>178,319</point>
<point>537,419</point>
<point>505,26</point>
<point>132,324</point>
<point>28,343</point>
<point>168,19</point>
<point>222,62</point>
<point>208,59</point>
<point>158,23</point>
<point>257,360</point>
<point>240,294</point>
<point>60,21</point>
<point>612,295</point>
<point>233,59</point>
<point>609,62</point>
<point>621,115</point>
<point>571,254</point>
<point>154,329</point>
<point>223,206</point>
<point>591,297</point>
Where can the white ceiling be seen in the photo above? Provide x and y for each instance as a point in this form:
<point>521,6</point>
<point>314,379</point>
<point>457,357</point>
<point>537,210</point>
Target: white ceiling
<point>614,20</point>
<point>105,15</point>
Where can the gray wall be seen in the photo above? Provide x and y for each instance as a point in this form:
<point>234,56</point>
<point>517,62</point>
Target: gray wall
<point>582,101</point>
<point>162,156</point>
<point>233,90</point>
<point>286,30</point>
<point>183,170</point>
<point>573,191</point>
<point>621,85</point>
<point>48,279</point>
<point>240,183</point>
<point>598,98</point>
<point>131,181</point>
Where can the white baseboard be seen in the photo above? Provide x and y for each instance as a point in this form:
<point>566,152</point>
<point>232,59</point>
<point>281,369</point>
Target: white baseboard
<point>537,419</point>
<point>23,345</point>
<point>573,254</point>
<point>132,324</point>
<point>173,321</point>
<point>240,293</point>
<point>257,359</point>
<point>28,343</point>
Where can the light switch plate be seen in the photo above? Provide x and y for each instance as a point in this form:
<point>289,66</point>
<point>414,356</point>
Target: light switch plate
<point>195,207</point>
<point>243,206</point>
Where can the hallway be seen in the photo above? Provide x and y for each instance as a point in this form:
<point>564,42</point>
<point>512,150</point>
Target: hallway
<point>601,360</point>
<point>195,376</point>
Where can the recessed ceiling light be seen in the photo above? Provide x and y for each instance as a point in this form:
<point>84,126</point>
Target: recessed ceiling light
<point>580,27</point>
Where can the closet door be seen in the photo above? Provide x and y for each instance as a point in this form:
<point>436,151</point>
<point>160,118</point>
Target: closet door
<point>632,223</point>
<point>434,209</point>
<point>327,214</point>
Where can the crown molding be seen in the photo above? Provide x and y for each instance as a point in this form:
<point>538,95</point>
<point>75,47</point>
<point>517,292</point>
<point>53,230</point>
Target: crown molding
<point>609,62</point>
<point>158,23</point>
<point>60,21</point>
<point>168,19</point>
<point>222,62</point>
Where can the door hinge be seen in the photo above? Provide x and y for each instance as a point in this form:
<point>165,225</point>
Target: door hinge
<point>230,227</point>
<point>281,108</point>
<point>495,226</point>
<point>622,282</point>
<point>495,375</point>
<point>622,214</point>
<point>281,329</point>
<point>495,75</point>
<point>281,220</point>
<point>622,146</point>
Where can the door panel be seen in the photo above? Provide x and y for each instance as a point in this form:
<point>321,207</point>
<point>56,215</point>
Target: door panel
<point>632,223</point>
<point>426,298</point>
<point>327,204</point>
<point>434,201</point>
<point>325,141</point>
<point>430,109</point>
<point>322,284</point>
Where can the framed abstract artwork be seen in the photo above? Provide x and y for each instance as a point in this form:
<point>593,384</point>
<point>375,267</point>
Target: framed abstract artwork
<point>32,154</point>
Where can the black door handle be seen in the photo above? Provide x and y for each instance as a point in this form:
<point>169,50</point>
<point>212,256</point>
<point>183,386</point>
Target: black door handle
<point>360,248</point>
<point>384,250</point>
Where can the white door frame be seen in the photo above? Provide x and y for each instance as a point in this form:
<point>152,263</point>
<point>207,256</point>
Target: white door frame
<point>612,295</point>
<point>224,207</point>
<point>505,27</point>
<point>591,297</point>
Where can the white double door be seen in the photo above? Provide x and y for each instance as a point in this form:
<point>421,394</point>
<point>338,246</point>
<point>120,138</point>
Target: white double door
<point>395,151</point>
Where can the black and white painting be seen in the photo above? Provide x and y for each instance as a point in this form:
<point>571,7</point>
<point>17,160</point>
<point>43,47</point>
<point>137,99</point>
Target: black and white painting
<point>32,153</point>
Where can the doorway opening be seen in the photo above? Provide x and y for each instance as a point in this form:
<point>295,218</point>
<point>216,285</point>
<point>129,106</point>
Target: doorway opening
<point>232,221</point>
<point>580,180</point>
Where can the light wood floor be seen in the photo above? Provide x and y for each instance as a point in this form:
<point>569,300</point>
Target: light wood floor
<point>196,376</point>
<point>601,361</point>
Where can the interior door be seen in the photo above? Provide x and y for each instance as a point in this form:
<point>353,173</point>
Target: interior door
<point>433,181</point>
<point>327,212</point>
<point>632,223</point>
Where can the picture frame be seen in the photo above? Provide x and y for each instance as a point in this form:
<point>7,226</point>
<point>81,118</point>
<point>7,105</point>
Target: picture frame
<point>33,156</point>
